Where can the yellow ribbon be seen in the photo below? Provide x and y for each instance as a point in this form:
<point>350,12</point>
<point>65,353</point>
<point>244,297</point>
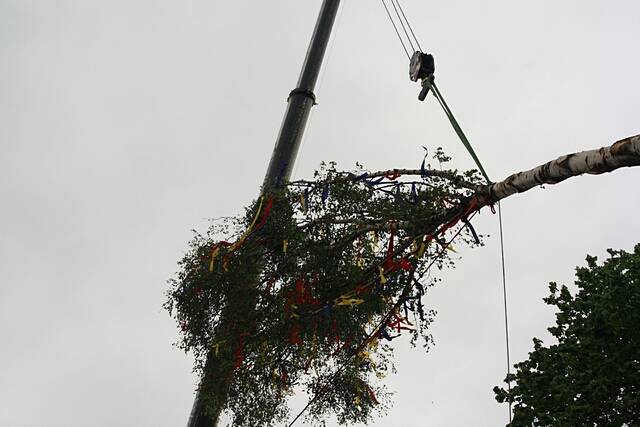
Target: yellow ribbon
<point>365,356</point>
<point>383,279</point>
<point>374,241</point>
<point>214,254</point>
<point>239,242</point>
<point>293,314</point>
<point>314,345</point>
<point>303,203</point>
<point>423,247</point>
<point>263,352</point>
<point>348,300</point>
<point>216,347</point>
<point>285,245</point>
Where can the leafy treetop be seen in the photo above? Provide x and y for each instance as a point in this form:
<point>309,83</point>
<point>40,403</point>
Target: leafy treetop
<point>312,284</point>
<point>592,375</point>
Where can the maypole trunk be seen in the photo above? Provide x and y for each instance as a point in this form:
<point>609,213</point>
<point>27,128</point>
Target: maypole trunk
<point>624,153</point>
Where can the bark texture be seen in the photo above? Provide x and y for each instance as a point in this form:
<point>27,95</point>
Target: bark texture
<point>624,153</point>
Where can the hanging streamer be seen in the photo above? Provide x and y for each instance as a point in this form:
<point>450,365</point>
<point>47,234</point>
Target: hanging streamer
<point>423,170</point>
<point>215,347</point>
<point>383,279</point>
<point>389,260</point>
<point>303,202</point>
<point>375,181</point>
<point>374,241</point>
<point>348,301</point>
<point>294,335</point>
<point>241,240</point>
<point>472,230</point>
<point>372,396</point>
<point>291,311</point>
<point>238,354</point>
<point>382,333</point>
<point>400,323</point>
<point>343,346</point>
<point>325,193</point>
<point>398,195</point>
<point>214,254</point>
<point>362,289</point>
<point>266,213</point>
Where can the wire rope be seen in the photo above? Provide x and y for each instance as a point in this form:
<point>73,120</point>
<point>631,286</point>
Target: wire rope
<point>409,25</point>
<point>406,33</point>
<point>396,28</point>
<point>504,298</point>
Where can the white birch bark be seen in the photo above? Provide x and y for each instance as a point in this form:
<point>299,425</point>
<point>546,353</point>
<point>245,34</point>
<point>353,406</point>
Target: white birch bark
<point>624,153</point>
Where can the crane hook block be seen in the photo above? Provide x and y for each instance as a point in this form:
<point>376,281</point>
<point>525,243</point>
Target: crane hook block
<point>422,67</point>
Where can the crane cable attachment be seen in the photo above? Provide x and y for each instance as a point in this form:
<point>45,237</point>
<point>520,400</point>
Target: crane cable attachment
<point>422,68</point>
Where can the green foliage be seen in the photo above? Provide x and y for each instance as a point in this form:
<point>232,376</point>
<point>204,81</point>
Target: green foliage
<point>311,275</point>
<point>592,376</point>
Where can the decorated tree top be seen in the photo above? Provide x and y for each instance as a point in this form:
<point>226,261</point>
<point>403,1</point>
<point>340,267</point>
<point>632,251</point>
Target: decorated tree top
<point>309,287</point>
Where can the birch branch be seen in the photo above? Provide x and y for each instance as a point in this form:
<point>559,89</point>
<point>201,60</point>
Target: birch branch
<point>452,176</point>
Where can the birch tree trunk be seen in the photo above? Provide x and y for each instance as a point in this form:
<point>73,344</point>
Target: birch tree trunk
<point>624,153</point>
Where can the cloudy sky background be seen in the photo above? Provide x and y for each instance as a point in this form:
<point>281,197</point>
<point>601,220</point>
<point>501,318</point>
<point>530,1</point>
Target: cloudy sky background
<point>124,124</point>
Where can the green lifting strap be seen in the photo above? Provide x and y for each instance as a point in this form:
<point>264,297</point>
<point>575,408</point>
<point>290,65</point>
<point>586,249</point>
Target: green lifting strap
<point>431,85</point>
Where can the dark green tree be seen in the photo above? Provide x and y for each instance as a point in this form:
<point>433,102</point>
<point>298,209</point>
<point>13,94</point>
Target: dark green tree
<point>592,375</point>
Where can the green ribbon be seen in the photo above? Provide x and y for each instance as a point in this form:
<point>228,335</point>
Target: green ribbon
<point>431,85</point>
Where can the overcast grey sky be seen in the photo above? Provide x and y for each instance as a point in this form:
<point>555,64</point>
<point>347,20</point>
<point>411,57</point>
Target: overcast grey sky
<point>124,124</point>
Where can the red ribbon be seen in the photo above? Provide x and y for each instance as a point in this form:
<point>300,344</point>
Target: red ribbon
<point>388,263</point>
<point>392,176</point>
<point>342,346</point>
<point>362,289</point>
<point>372,395</point>
<point>398,324</point>
<point>238,353</point>
<point>265,213</point>
<point>270,285</point>
<point>294,335</point>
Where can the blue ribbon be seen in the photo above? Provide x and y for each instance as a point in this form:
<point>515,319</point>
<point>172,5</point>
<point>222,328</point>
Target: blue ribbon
<point>472,230</point>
